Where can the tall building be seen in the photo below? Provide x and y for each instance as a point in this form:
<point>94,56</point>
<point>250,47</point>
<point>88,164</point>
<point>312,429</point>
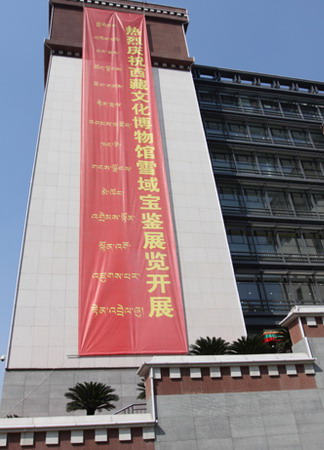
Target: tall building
<point>265,139</point>
<point>197,211</point>
<point>44,356</point>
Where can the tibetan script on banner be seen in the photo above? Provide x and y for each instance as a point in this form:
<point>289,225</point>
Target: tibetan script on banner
<point>128,262</point>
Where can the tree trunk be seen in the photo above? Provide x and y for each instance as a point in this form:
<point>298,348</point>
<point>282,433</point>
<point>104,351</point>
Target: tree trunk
<point>91,412</point>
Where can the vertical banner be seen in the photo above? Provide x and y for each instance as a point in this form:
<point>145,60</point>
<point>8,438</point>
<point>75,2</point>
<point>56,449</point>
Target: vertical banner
<point>130,298</point>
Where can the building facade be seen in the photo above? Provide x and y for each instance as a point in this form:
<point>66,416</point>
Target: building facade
<point>265,139</point>
<point>245,177</point>
<point>43,355</point>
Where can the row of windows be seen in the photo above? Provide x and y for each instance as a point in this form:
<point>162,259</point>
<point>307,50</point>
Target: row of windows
<point>257,105</point>
<point>259,200</point>
<point>277,244</point>
<point>279,293</point>
<point>267,164</point>
<point>255,132</point>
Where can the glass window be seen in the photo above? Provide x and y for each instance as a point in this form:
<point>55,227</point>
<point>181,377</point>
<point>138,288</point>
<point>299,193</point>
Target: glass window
<point>290,167</point>
<point>319,202</point>
<point>318,139</point>
<point>249,290</point>
<point>300,290</point>
<point>230,197</point>
<point>321,110</point>
<point>268,165</point>
<point>275,290</point>
<point>309,111</point>
<point>300,137</point>
<point>289,242</point>
<point>271,107</point>
<point>258,133</point>
<point>230,101</point>
<point>301,201</point>
<point>238,240</point>
<point>320,288</point>
<point>237,131</point>
<point>222,161</point>
<point>313,243</point>
<point>207,96</point>
<point>217,128</point>
<point>279,203</point>
<point>279,135</point>
<point>253,198</point>
<point>251,104</point>
<point>264,241</point>
<point>311,168</point>
<point>290,109</point>
<point>245,162</point>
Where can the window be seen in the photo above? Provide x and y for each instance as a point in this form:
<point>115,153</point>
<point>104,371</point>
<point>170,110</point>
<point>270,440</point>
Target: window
<point>251,104</point>
<point>238,240</point>
<point>268,164</point>
<point>264,241</point>
<point>275,291</point>
<point>245,162</point>
<point>300,137</point>
<point>318,139</point>
<point>222,161</point>
<point>237,131</point>
<point>259,133</point>
<point>300,289</point>
<point>230,197</point>
<point>271,107</point>
<point>290,109</point>
<point>309,111</point>
<point>302,203</point>
<point>216,127</point>
<point>230,101</point>
<point>279,135</point>
<point>253,198</point>
<point>313,243</point>
<point>207,96</point>
<point>290,167</point>
<point>248,289</point>
<point>279,203</point>
<point>289,242</point>
<point>319,202</point>
<point>311,169</point>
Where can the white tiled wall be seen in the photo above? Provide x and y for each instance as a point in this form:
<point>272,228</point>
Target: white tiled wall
<point>45,324</point>
<point>211,299</point>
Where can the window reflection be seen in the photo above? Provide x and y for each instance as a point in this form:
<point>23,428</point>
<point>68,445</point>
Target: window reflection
<point>290,167</point>
<point>290,109</point>
<point>268,164</point>
<point>279,202</point>
<point>278,292</point>
<point>271,107</point>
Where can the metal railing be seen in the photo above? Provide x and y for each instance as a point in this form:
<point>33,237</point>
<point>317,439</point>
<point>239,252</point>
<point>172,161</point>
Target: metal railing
<point>133,408</point>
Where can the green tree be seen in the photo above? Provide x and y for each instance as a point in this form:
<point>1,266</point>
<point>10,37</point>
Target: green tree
<point>209,346</point>
<point>90,396</point>
<point>249,345</point>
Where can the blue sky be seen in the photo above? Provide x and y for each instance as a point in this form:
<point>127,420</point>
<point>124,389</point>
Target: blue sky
<point>283,37</point>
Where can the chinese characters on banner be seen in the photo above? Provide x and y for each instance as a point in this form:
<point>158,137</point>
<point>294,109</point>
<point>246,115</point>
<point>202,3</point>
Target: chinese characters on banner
<point>129,289</point>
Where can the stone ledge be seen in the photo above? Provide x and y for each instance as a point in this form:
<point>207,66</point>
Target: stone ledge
<point>213,361</point>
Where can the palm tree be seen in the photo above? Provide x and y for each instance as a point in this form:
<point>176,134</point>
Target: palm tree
<point>209,346</point>
<point>90,396</point>
<point>249,345</point>
<point>141,389</point>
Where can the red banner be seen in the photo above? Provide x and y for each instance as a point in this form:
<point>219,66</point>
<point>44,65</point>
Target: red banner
<point>129,291</point>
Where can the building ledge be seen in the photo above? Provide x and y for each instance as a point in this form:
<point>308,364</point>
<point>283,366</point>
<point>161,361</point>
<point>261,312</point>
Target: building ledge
<point>268,359</point>
<point>75,422</point>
